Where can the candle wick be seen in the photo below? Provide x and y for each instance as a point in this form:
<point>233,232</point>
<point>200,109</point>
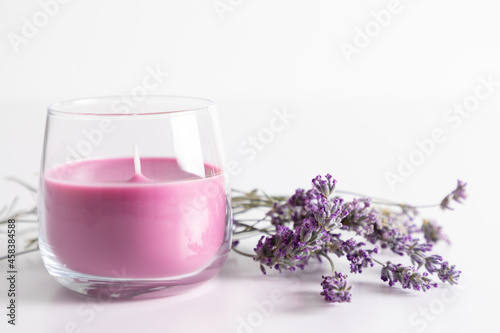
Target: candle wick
<point>138,177</point>
<point>137,160</point>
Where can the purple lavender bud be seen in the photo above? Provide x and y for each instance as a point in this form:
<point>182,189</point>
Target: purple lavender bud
<point>408,277</point>
<point>336,288</point>
<point>325,186</point>
<point>448,273</point>
<point>433,263</point>
<point>416,252</point>
<point>289,248</point>
<point>432,232</point>
<point>459,194</point>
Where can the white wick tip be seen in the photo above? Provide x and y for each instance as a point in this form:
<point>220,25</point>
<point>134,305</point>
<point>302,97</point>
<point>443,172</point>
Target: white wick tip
<point>137,160</point>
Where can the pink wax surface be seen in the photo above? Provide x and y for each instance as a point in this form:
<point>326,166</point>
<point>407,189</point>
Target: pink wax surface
<point>103,220</point>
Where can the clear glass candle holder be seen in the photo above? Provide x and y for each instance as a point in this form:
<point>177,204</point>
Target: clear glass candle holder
<point>133,200</point>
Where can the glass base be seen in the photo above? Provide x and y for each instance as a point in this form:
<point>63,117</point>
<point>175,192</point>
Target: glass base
<point>106,288</point>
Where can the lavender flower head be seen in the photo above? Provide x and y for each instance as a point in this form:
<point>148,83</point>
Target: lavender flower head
<point>389,229</point>
<point>330,213</point>
<point>313,203</point>
<point>358,256</point>
<point>448,273</point>
<point>416,252</point>
<point>289,249</point>
<point>408,277</point>
<point>433,263</point>
<point>336,288</point>
<point>459,195</point>
<point>433,233</point>
<point>360,259</point>
<point>325,186</point>
<point>361,218</point>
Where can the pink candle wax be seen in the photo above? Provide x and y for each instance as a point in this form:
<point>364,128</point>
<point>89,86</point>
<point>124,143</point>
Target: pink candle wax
<point>102,219</point>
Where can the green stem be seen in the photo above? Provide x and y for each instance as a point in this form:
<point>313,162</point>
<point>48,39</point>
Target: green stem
<point>381,201</point>
<point>251,200</point>
<point>19,221</point>
<point>239,221</point>
<point>242,253</point>
<point>249,228</point>
<point>329,260</point>
<point>21,182</point>
<point>250,233</point>
<point>256,230</point>
<point>19,253</point>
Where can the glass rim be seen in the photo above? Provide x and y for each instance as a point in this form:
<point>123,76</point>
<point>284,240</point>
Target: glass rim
<point>63,108</point>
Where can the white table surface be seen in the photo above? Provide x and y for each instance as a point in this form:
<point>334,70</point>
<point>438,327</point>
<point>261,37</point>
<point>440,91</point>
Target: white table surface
<point>353,120</point>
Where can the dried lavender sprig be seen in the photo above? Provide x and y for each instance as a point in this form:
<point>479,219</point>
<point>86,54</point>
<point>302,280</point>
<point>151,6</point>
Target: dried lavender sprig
<point>22,183</point>
<point>336,289</point>
<point>393,230</point>
<point>416,252</point>
<point>448,273</point>
<point>408,277</point>
<point>388,229</point>
<point>433,232</point>
<point>21,253</point>
<point>380,227</point>
<point>288,248</point>
<point>355,252</point>
<point>326,185</point>
<point>314,216</point>
<point>459,194</point>
<point>250,200</point>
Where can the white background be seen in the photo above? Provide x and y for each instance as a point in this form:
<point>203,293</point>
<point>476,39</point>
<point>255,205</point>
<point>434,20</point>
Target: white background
<point>353,119</point>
